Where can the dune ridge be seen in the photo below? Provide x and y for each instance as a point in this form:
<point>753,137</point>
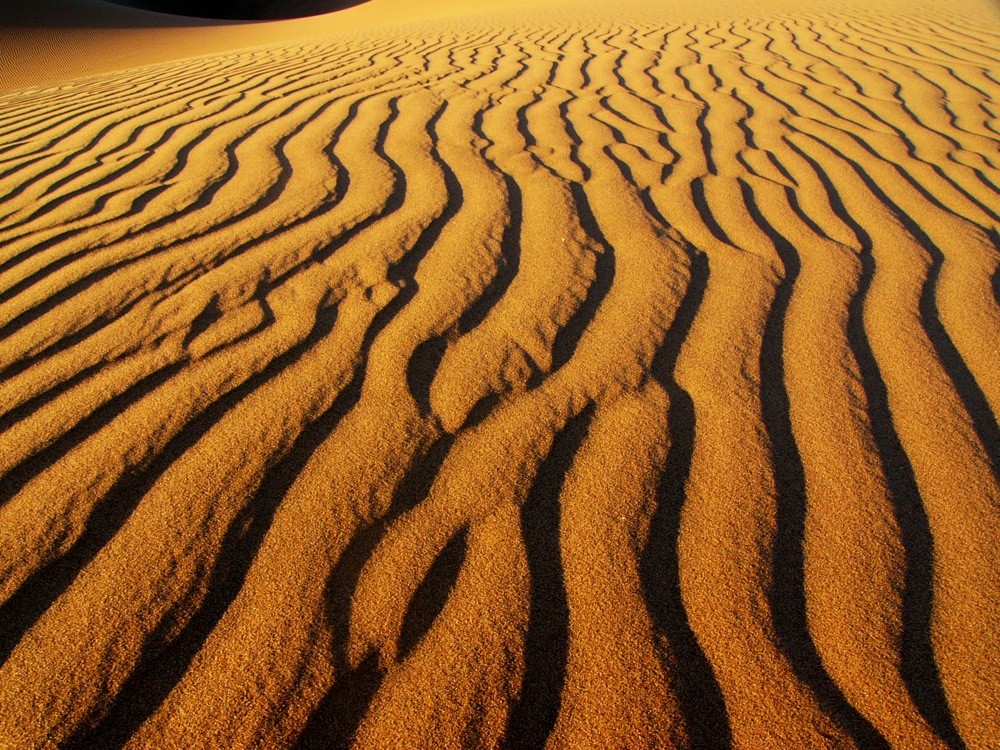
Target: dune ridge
<point>549,381</point>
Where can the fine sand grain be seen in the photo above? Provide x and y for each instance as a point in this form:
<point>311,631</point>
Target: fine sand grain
<point>603,375</point>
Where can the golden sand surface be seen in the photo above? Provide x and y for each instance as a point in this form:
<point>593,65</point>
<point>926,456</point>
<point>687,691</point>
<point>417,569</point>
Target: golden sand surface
<point>567,375</point>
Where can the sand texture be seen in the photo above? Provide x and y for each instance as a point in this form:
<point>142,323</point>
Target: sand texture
<point>581,376</point>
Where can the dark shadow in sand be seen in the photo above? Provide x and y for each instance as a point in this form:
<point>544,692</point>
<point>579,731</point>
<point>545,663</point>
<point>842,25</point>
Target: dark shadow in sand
<point>241,10</point>
<point>155,14</point>
<point>546,647</point>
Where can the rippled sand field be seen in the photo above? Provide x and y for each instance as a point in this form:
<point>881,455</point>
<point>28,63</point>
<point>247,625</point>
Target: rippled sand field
<point>580,378</point>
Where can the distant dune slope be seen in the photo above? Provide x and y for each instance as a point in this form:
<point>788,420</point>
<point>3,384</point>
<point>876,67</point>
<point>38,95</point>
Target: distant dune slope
<point>533,382</point>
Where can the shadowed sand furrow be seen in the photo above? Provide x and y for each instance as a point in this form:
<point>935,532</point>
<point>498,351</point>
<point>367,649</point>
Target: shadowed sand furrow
<point>841,539</point>
<point>134,128</point>
<point>270,174</point>
<point>251,100</point>
<point>239,281</point>
<point>709,224</point>
<point>342,472</point>
<point>612,645</point>
<point>177,563</point>
<point>455,503</point>
<point>543,377</point>
<point>734,509</point>
<point>146,171</point>
<point>233,355</point>
<point>907,270</point>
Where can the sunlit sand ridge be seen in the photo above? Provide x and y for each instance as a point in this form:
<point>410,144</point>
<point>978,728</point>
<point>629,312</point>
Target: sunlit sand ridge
<point>573,378</point>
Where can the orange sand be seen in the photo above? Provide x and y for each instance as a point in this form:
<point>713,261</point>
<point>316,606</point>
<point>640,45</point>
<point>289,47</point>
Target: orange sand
<point>569,374</point>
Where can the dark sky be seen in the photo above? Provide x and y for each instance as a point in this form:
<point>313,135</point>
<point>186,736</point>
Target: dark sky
<point>246,10</point>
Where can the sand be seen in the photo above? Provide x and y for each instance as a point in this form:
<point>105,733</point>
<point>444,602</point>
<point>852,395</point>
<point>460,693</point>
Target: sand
<point>577,375</point>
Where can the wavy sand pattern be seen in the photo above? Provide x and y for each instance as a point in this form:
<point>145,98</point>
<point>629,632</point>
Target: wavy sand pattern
<point>543,382</point>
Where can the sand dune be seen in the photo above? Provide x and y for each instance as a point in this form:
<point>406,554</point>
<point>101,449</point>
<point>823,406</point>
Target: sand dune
<point>565,377</point>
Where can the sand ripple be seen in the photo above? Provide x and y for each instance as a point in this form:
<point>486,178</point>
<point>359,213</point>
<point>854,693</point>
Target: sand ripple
<point>566,384</point>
